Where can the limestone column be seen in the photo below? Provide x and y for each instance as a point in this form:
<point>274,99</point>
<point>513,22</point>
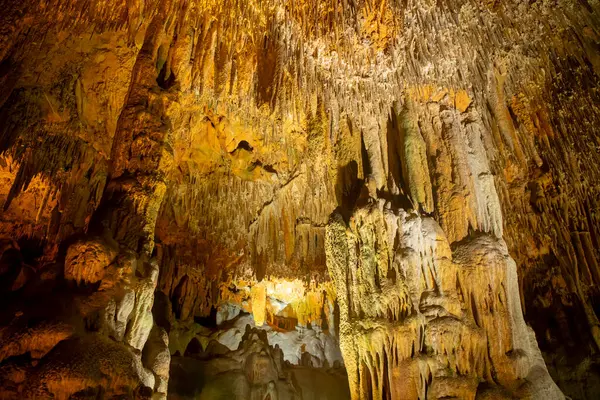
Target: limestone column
<point>141,155</point>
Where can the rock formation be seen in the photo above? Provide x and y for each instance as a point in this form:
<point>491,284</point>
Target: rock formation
<point>398,197</point>
<point>419,320</point>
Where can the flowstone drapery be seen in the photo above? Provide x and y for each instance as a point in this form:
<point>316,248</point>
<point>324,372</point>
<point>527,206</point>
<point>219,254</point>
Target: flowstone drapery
<point>421,320</point>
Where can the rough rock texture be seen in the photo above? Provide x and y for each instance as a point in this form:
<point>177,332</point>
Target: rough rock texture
<point>210,142</point>
<point>85,366</point>
<point>85,341</point>
<point>420,320</point>
<point>254,370</point>
<point>157,357</point>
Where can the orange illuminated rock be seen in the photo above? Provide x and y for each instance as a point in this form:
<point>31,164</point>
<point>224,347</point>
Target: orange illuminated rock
<point>410,177</point>
<point>86,262</point>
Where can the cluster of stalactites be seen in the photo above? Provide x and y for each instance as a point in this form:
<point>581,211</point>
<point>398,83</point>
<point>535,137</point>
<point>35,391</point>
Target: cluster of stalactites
<point>283,304</point>
<point>289,61</point>
<point>461,322</point>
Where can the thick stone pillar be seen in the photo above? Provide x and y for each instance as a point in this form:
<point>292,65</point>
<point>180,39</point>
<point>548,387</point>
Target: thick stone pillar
<point>141,154</point>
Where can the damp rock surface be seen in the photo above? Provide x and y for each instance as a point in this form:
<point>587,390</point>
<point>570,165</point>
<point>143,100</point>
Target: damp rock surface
<point>405,189</point>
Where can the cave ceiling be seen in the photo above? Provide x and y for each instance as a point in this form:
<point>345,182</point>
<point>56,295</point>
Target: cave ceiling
<point>406,175</point>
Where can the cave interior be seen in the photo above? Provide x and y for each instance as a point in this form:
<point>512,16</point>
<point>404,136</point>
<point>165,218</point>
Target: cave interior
<point>299,199</point>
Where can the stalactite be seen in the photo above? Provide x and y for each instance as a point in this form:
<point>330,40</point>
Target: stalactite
<point>229,132</point>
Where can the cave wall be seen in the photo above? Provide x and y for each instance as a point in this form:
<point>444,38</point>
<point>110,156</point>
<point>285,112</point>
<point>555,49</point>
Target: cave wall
<point>216,139</point>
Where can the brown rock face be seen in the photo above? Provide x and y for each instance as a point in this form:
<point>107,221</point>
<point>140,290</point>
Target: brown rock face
<point>401,185</point>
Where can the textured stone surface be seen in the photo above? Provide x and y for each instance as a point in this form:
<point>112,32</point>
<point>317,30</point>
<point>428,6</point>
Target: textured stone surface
<point>218,138</point>
<point>78,364</point>
<point>157,358</point>
<point>254,370</point>
<point>87,261</point>
<point>424,320</point>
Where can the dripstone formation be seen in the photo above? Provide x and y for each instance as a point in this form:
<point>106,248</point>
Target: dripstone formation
<point>314,199</point>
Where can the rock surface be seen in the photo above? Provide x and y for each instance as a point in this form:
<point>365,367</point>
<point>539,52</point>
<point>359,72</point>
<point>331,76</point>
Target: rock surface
<point>254,370</point>
<point>175,164</point>
<point>422,320</point>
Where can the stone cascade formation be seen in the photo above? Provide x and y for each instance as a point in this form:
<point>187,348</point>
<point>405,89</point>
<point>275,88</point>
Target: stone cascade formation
<point>314,199</point>
<point>423,317</point>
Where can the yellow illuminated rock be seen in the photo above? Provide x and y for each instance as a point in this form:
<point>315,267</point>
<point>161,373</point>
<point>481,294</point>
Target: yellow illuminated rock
<point>258,295</point>
<point>285,199</point>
